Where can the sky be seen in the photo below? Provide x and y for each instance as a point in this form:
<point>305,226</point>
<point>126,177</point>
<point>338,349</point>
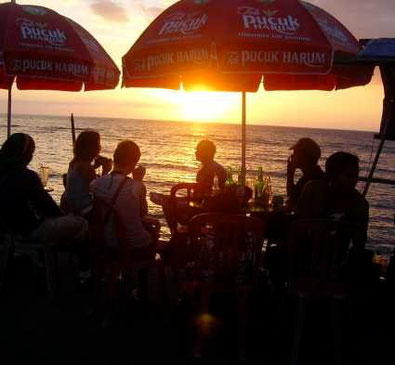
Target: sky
<point>117,24</point>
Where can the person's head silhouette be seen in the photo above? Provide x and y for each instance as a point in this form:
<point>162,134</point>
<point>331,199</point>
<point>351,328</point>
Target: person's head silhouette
<point>205,151</point>
<point>17,150</point>
<point>342,170</point>
<point>87,145</point>
<point>306,153</point>
<point>126,156</point>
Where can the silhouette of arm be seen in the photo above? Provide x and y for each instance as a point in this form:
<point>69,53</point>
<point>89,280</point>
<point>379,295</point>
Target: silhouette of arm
<point>40,199</point>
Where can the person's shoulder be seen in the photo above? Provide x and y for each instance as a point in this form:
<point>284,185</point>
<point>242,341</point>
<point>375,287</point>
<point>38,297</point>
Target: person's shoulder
<point>84,168</point>
<point>27,173</point>
<point>99,181</point>
<point>360,199</point>
<point>217,166</point>
<point>317,184</point>
<point>318,172</point>
<point>317,187</point>
<point>135,185</point>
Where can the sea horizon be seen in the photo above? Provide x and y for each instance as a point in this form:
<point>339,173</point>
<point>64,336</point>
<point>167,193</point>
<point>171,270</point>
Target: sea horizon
<point>76,116</point>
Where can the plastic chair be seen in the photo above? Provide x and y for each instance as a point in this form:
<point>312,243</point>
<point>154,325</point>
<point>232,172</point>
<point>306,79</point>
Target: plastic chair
<point>180,210</point>
<point>316,256</point>
<point>226,254</point>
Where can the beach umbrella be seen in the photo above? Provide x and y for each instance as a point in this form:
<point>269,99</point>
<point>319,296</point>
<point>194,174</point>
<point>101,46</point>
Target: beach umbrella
<point>43,50</point>
<point>231,45</point>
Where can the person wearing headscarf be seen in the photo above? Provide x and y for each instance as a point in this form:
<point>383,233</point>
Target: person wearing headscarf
<point>25,207</point>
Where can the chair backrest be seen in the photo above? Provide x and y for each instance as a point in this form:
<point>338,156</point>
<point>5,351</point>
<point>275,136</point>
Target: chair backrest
<point>225,247</point>
<point>179,211</point>
<point>315,248</point>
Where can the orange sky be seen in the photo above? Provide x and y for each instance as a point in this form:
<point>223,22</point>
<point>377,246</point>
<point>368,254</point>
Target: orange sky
<point>117,23</point>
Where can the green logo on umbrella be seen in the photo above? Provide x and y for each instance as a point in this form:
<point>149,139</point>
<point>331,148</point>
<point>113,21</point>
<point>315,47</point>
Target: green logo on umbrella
<point>267,1</point>
<point>34,10</point>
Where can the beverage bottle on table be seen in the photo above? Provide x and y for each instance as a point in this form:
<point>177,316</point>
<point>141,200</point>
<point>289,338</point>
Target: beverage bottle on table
<point>229,178</point>
<point>267,191</point>
<point>259,186</point>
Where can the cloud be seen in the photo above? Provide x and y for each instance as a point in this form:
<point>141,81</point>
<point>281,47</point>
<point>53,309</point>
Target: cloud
<point>151,12</point>
<point>109,10</point>
<point>152,8</point>
<point>364,18</point>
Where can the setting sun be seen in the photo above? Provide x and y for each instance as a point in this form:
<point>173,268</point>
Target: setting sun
<point>203,105</point>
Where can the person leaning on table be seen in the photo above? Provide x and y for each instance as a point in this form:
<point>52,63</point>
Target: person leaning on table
<point>25,207</point>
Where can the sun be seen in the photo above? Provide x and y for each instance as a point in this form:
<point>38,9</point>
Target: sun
<point>204,106</point>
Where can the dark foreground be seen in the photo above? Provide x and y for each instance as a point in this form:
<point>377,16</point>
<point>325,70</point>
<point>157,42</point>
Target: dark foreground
<point>37,330</point>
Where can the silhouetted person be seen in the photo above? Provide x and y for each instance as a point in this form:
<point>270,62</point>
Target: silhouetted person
<point>130,203</point>
<point>336,197</point>
<point>81,172</point>
<point>306,154</point>
<point>25,207</point>
<point>205,152</point>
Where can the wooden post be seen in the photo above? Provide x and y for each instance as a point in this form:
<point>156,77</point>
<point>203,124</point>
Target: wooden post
<point>9,111</point>
<point>72,129</point>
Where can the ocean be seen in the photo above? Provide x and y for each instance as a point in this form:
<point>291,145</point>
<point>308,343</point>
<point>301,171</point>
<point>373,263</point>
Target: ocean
<point>168,153</point>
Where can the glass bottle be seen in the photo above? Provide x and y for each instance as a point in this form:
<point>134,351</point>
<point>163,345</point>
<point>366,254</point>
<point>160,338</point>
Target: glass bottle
<point>267,192</point>
<point>259,186</point>
<point>229,178</point>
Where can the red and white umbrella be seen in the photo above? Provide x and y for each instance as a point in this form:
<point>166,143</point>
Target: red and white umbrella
<point>229,45</point>
<point>43,50</point>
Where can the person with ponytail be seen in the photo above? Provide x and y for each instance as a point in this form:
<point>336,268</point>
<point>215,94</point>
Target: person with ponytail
<point>77,198</point>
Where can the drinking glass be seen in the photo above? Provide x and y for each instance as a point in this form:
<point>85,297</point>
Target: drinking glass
<point>44,174</point>
<point>250,182</point>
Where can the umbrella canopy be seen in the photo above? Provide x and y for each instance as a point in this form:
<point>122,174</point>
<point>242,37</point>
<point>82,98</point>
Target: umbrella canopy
<point>381,52</point>
<point>43,50</point>
<point>229,45</point>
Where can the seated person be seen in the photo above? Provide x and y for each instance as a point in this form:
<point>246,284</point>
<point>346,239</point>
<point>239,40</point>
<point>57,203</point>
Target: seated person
<point>205,152</point>
<point>130,201</point>
<point>306,154</point>
<point>77,197</point>
<point>25,207</point>
<point>336,197</point>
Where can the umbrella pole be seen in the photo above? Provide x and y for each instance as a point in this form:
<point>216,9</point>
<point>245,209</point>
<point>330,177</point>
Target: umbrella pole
<point>10,82</point>
<point>243,135</point>
<point>72,129</point>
